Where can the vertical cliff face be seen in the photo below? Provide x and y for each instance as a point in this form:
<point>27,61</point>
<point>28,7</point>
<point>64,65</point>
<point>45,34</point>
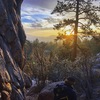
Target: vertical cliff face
<point>12,39</point>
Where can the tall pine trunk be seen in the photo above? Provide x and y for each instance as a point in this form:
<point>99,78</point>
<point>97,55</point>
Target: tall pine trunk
<point>74,55</point>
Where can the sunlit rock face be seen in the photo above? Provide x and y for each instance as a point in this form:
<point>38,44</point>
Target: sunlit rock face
<point>12,39</point>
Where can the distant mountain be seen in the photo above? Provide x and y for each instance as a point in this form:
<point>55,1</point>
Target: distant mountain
<point>45,39</point>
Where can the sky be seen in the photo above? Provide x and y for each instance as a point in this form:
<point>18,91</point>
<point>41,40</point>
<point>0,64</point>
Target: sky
<point>37,19</point>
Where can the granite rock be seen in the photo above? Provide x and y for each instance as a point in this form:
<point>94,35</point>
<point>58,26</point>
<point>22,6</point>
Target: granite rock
<point>12,39</point>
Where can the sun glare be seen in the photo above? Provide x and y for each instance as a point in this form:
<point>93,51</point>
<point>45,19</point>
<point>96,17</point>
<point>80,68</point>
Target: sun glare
<point>69,33</point>
<point>68,30</point>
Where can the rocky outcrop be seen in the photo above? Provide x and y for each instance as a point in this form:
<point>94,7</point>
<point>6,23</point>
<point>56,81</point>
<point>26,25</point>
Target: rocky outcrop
<point>47,92</point>
<point>27,80</point>
<point>35,92</point>
<point>12,39</point>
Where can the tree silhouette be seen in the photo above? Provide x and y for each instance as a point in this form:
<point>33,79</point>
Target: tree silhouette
<point>84,18</point>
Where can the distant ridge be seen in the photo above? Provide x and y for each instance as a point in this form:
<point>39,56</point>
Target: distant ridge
<point>44,39</point>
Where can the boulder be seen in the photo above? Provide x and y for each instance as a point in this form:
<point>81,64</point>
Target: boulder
<point>47,92</point>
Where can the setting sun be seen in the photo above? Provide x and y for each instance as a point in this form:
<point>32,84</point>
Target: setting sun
<point>69,33</point>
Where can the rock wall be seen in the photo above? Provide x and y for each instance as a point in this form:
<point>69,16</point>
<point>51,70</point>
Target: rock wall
<point>12,39</point>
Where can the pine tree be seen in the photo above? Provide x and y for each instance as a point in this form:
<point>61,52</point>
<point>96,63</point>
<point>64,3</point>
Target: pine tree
<point>84,18</point>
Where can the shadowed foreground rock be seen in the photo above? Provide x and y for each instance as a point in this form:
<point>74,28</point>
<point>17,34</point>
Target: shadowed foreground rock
<point>12,39</point>
<point>27,80</point>
<point>45,94</point>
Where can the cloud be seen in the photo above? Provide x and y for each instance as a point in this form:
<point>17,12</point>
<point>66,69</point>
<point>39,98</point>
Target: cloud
<point>49,4</point>
<point>30,10</point>
<point>36,25</point>
<point>38,16</point>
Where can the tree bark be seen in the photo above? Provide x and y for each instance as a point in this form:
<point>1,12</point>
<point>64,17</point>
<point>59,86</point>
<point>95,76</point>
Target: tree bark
<point>75,32</point>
